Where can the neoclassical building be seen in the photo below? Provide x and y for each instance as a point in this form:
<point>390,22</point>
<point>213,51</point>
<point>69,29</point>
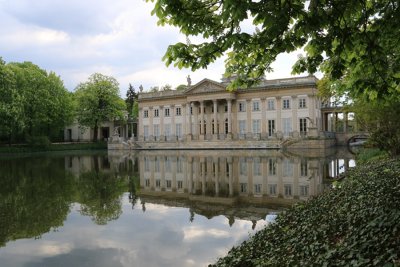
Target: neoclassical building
<point>208,112</point>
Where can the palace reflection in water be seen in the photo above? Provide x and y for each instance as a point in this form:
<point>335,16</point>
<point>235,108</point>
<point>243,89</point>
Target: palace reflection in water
<point>235,183</point>
<point>83,208</point>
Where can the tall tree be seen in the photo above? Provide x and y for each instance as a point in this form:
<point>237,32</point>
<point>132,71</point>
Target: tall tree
<point>350,40</point>
<point>39,103</point>
<point>11,108</point>
<point>98,101</point>
<point>131,98</point>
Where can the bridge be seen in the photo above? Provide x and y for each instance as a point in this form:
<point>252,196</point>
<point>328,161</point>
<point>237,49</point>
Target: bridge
<point>340,122</point>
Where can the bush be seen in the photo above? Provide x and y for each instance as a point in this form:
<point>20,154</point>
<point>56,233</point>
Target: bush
<point>39,142</point>
<point>356,224</point>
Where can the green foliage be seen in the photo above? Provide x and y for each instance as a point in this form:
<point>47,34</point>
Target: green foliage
<point>33,102</point>
<point>181,87</point>
<point>42,142</point>
<point>6,150</point>
<point>97,101</point>
<point>380,117</point>
<point>131,99</point>
<point>355,224</point>
<point>355,42</point>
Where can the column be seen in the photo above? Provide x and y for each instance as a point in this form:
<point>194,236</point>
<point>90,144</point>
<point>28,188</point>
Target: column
<point>162,136</point>
<point>229,119</point>
<point>190,170</point>
<point>230,175</point>
<point>264,133</point>
<point>140,126</point>
<point>151,130</point>
<point>279,115</point>
<point>184,124</point>
<point>346,121</point>
<point>215,134</point>
<point>216,175</point>
<point>202,120</point>
<point>295,129</point>
<point>189,107</point>
<point>196,120</point>
<point>248,110</point>
<point>173,126</point>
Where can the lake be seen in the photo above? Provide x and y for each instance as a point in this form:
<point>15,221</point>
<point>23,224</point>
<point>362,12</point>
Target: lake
<point>149,208</point>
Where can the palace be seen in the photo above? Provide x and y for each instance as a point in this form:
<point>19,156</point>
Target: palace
<point>206,114</point>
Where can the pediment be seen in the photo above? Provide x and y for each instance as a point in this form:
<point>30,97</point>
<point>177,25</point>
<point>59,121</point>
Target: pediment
<point>206,86</point>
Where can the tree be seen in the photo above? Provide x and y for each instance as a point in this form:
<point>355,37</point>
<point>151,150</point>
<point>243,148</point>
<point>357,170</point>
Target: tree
<point>181,87</point>
<point>166,87</point>
<point>131,98</point>
<point>348,40</point>
<point>98,101</point>
<point>11,108</point>
<point>34,103</point>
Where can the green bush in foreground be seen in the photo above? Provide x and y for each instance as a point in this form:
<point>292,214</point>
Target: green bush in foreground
<point>356,224</point>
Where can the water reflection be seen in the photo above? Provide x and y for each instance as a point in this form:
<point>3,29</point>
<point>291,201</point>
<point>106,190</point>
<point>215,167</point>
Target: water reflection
<point>116,209</point>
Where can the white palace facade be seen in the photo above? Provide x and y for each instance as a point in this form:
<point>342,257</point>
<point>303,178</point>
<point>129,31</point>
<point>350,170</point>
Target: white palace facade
<point>206,112</point>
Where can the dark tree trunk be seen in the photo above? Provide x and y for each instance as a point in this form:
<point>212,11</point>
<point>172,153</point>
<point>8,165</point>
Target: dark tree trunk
<point>95,130</point>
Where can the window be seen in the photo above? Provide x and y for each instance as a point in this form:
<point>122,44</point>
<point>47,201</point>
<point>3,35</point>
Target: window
<point>158,183</point>
<point>146,131</point>
<point>167,129</point>
<point>180,184</point>
<point>146,164</point>
<point>157,165</point>
<point>287,126</point>
<point>242,127</point>
<point>179,165</point>
<point>147,182</point>
<point>156,112</point>
<point>243,187</point>
<point>271,104</point>
<point>169,183</point>
<point>287,169</point>
<point>272,189</point>
<point>256,126</point>
<point>178,131</point>
<point>156,130</point>
<point>167,164</point>
<point>178,111</point>
<point>302,103</point>
<point>286,103</point>
<point>272,167</point>
<point>256,106</point>
<point>145,113</point>
<point>288,190</point>
<point>303,168</point>
<point>226,108</point>
<point>304,190</point>
<point>242,166</point>
<point>256,167</point>
<point>226,126</point>
<point>303,125</point>
<point>257,188</point>
<point>166,112</point>
<point>271,127</point>
<point>242,106</point>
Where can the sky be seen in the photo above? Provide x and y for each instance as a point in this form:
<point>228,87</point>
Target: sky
<point>117,38</point>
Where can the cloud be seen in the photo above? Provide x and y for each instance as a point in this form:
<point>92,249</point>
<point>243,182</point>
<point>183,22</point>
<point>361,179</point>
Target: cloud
<point>120,38</point>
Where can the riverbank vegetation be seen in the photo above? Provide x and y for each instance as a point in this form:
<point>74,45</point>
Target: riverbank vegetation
<point>40,147</point>
<point>354,224</point>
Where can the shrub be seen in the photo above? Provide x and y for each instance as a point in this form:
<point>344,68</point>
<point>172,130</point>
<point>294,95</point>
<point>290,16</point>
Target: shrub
<point>356,224</point>
<point>39,141</point>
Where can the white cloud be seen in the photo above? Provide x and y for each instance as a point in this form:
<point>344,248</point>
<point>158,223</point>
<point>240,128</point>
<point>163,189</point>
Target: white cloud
<point>120,38</point>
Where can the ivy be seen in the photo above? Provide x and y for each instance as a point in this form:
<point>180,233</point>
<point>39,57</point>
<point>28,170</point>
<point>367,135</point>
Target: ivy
<point>355,224</point>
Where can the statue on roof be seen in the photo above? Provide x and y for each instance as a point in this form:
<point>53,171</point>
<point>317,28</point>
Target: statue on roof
<point>141,88</point>
<point>189,81</point>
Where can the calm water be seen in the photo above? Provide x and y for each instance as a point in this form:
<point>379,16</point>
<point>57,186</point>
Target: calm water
<point>154,208</point>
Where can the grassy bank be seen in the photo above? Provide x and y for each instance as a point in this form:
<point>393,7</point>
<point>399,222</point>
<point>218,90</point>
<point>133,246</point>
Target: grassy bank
<point>355,224</point>
<point>52,147</point>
